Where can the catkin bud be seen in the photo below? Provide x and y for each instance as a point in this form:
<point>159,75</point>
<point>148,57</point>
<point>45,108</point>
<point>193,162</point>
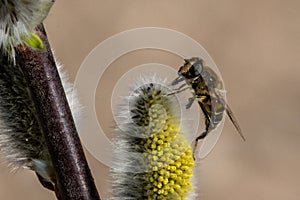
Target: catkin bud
<point>18,19</point>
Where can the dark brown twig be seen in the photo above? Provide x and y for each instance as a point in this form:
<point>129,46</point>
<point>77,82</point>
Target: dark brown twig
<point>74,179</point>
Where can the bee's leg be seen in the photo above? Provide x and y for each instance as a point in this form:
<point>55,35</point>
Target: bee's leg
<point>190,103</point>
<point>178,90</point>
<point>177,80</point>
<point>202,135</point>
<point>180,87</point>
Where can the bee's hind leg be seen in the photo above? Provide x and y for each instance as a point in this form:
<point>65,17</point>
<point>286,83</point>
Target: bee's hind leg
<point>200,137</point>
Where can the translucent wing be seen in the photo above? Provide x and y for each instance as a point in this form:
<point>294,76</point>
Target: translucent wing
<point>230,113</point>
<point>210,141</point>
<point>234,121</point>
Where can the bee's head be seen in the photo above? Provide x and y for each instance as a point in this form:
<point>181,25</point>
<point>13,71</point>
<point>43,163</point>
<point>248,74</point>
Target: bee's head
<point>192,68</point>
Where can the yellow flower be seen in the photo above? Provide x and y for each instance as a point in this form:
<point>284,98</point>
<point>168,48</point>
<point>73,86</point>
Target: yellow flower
<point>153,158</point>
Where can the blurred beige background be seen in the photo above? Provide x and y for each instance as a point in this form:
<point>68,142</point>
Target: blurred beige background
<point>255,44</point>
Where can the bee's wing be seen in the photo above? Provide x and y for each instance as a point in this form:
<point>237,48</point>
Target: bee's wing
<point>209,141</point>
<point>230,114</point>
<point>234,121</point>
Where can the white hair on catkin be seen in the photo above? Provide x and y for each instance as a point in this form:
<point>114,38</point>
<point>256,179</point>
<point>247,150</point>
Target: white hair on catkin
<point>18,19</point>
<point>150,150</point>
<point>21,138</point>
<point>22,142</point>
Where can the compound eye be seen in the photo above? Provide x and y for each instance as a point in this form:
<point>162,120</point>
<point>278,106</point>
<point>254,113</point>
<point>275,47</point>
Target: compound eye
<point>197,68</point>
<point>193,72</point>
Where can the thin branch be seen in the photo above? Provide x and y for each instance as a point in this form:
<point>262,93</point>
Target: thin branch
<point>74,179</point>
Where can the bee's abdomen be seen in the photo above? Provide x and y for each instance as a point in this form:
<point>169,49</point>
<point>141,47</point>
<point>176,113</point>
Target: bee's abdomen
<point>213,107</point>
<point>218,108</point>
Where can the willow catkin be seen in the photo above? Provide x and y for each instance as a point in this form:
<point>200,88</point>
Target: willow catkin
<point>153,160</point>
<point>22,143</point>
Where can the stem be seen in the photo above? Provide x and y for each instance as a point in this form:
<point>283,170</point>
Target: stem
<point>74,179</point>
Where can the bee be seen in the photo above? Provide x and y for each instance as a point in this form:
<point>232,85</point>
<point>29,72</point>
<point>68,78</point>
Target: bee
<point>207,89</point>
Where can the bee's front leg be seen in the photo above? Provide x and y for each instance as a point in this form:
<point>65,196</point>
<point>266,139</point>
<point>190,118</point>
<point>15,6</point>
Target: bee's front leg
<point>177,80</point>
<point>179,89</point>
<point>190,103</point>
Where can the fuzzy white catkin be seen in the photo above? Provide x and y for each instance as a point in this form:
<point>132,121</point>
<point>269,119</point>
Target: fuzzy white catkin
<point>152,158</point>
<point>18,19</point>
<point>22,143</point>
